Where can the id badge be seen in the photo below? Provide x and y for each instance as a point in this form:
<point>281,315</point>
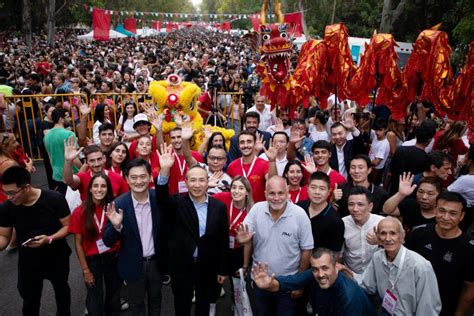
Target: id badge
<point>182,188</point>
<point>101,246</point>
<point>389,302</point>
<point>231,242</point>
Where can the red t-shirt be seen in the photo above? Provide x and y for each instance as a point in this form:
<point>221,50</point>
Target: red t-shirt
<point>335,177</point>
<point>236,216</point>
<point>119,185</point>
<point>206,103</point>
<point>77,226</point>
<point>299,195</point>
<point>256,176</point>
<point>178,171</point>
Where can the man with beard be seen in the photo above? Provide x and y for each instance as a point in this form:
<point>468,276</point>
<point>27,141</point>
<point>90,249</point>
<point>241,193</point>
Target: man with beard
<point>251,122</point>
<point>254,168</point>
<point>95,160</point>
<point>332,293</point>
<point>282,123</point>
<point>55,141</point>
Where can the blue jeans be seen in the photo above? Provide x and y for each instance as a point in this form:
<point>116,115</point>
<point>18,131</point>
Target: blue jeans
<point>104,269</point>
<point>273,304</point>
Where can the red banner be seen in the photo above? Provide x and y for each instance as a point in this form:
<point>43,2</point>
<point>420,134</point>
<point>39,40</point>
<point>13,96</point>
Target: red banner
<point>255,22</point>
<point>130,25</point>
<point>156,25</point>
<point>100,24</point>
<point>295,22</point>
<point>225,26</point>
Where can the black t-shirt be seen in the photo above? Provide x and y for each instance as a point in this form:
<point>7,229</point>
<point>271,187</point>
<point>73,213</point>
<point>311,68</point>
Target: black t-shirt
<point>41,218</point>
<point>379,196</point>
<point>411,214</point>
<point>327,227</point>
<point>407,159</point>
<point>452,261</point>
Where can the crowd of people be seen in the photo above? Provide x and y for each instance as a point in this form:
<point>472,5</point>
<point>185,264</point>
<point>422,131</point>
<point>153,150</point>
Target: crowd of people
<point>338,211</point>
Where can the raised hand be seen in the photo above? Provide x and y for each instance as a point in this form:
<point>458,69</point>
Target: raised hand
<point>259,143</point>
<point>187,131</point>
<point>295,136</point>
<point>348,121</point>
<point>115,217</point>
<point>243,235</point>
<point>84,108</point>
<point>215,178</point>
<point>207,132</point>
<point>309,164</point>
<point>166,156</point>
<point>337,193</point>
<point>149,109</point>
<point>405,187</point>
<point>261,277</point>
<point>178,119</point>
<point>71,152</point>
<point>279,127</point>
<point>157,121</point>
<point>271,153</point>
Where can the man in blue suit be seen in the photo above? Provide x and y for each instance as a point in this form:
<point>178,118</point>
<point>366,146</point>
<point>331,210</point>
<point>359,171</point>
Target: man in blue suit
<point>137,221</point>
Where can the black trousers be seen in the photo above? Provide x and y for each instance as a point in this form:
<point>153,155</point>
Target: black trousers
<point>104,269</point>
<point>148,284</point>
<point>30,286</point>
<point>194,279</point>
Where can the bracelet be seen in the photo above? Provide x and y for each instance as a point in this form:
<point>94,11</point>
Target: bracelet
<point>50,239</point>
<point>86,270</point>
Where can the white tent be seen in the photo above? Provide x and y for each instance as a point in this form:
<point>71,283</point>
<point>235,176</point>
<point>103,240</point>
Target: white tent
<point>90,36</point>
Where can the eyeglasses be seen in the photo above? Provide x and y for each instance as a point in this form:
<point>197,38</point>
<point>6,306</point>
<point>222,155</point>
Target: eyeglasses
<point>13,193</point>
<point>215,158</point>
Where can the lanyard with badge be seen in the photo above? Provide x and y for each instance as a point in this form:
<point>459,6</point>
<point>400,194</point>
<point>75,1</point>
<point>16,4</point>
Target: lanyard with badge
<point>245,174</point>
<point>101,247</point>
<point>231,224</point>
<point>182,188</point>
<point>298,196</point>
<point>389,302</point>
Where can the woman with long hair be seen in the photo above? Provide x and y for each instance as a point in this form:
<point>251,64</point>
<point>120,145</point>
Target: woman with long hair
<point>211,139</point>
<point>117,158</point>
<point>294,175</point>
<point>102,115</point>
<point>125,123</point>
<point>146,152</point>
<point>239,201</point>
<point>98,262</point>
<point>450,140</point>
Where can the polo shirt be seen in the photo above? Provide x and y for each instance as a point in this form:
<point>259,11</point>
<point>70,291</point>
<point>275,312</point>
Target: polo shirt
<point>280,242</point>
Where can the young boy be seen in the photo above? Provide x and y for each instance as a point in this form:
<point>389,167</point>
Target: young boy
<point>379,150</point>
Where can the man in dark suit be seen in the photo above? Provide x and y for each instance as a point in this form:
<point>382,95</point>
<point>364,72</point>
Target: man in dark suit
<point>198,239</point>
<point>342,150</point>
<point>138,223</point>
<point>251,121</point>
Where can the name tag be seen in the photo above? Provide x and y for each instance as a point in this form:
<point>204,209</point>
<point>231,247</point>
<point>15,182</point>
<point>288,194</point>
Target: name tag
<point>101,246</point>
<point>182,188</point>
<point>389,302</point>
<point>231,242</point>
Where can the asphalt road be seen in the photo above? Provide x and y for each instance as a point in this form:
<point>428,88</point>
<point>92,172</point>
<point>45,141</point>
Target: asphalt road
<point>11,302</point>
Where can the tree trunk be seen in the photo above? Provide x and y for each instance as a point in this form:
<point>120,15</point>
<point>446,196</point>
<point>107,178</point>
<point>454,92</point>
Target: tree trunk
<point>389,15</point>
<point>26,21</point>
<point>51,21</point>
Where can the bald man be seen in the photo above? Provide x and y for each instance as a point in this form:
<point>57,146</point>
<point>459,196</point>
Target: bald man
<point>280,234</point>
<point>402,279</point>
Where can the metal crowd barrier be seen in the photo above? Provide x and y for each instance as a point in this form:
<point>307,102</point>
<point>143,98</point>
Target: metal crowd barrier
<point>23,114</point>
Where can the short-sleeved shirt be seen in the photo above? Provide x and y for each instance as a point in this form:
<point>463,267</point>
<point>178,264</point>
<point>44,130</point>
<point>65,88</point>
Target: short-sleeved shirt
<point>411,214</point>
<point>77,226</point>
<point>256,176</point>
<point>380,149</point>
<point>41,218</point>
<point>299,195</point>
<point>327,227</point>
<point>54,144</point>
<point>119,185</point>
<point>452,261</point>
<point>280,242</point>
<point>407,159</point>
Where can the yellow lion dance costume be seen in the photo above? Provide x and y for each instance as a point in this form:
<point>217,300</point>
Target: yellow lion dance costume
<point>177,104</point>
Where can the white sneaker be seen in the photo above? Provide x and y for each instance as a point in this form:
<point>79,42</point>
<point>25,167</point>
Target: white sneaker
<point>123,305</point>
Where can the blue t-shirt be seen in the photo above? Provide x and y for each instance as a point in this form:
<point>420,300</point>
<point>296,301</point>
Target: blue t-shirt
<point>343,298</point>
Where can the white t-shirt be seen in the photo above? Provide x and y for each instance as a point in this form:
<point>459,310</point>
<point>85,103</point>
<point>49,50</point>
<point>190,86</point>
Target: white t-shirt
<point>379,149</point>
<point>267,118</point>
<point>316,135</point>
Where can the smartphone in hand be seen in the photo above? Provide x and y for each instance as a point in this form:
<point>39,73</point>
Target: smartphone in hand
<point>26,243</point>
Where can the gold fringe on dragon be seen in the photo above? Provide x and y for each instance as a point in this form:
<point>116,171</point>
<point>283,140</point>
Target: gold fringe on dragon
<point>325,67</point>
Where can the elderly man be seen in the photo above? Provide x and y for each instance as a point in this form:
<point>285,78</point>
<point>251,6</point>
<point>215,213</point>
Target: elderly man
<point>332,293</point>
<point>279,232</point>
<point>401,278</point>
